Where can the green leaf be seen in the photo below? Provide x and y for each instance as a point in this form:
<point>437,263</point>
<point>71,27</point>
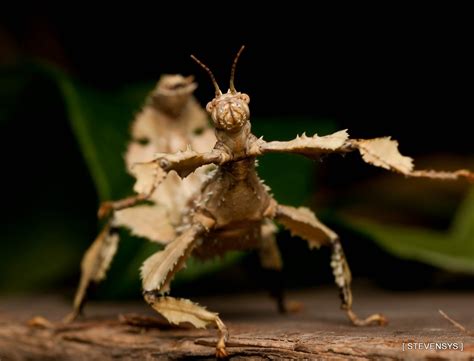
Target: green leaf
<point>100,122</point>
<point>452,250</point>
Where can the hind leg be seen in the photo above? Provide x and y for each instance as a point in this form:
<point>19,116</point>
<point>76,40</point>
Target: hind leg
<point>94,266</point>
<point>99,256</point>
<point>158,271</point>
<point>271,262</point>
<point>302,222</point>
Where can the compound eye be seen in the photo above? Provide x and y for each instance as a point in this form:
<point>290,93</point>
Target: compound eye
<point>245,98</point>
<point>209,107</point>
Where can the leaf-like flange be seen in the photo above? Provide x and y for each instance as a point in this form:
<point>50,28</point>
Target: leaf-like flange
<point>95,263</point>
<point>175,193</point>
<point>302,222</point>
<point>178,310</point>
<point>158,269</point>
<point>309,146</point>
<point>383,152</point>
<point>151,222</point>
<point>148,176</point>
<point>98,257</point>
<point>137,153</point>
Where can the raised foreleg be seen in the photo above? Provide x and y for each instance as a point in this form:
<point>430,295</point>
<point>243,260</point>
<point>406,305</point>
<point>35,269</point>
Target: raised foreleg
<point>303,223</point>
<point>380,152</point>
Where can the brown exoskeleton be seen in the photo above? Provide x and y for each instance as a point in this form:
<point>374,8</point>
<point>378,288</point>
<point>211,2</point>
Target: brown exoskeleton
<point>234,209</point>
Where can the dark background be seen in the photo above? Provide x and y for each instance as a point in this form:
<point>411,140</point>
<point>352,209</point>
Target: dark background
<point>405,73</point>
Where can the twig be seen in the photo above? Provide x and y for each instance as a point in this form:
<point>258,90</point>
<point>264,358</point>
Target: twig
<point>455,323</point>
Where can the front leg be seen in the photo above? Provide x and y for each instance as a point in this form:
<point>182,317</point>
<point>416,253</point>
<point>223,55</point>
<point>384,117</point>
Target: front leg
<point>380,152</point>
<point>186,162</point>
<point>158,271</point>
<point>180,310</point>
<point>311,147</point>
<point>149,175</point>
<point>383,152</point>
<point>302,222</point>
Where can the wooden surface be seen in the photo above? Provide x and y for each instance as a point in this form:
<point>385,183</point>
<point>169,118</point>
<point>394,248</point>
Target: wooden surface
<point>319,331</point>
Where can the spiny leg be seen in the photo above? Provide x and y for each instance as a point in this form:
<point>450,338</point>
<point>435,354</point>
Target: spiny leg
<point>302,222</point>
<point>94,266</point>
<point>98,257</point>
<point>178,310</point>
<point>343,278</point>
<point>158,271</point>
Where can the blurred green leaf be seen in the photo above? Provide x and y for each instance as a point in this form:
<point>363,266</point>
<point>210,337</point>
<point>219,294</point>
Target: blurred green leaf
<point>452,250</point>
<point>100,122</point>
<point>12,83</point>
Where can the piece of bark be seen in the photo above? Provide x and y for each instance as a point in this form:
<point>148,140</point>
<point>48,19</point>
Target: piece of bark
<point>257,331</point>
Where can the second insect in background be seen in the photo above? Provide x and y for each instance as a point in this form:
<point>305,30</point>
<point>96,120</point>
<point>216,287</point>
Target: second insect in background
<point>170,121</point>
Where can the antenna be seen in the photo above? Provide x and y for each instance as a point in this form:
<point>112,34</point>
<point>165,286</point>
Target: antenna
<point>216,86</point>
<point>232,72</point>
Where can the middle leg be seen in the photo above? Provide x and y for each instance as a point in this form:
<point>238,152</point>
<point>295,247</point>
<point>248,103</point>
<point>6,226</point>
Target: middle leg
<point>302,222</point>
